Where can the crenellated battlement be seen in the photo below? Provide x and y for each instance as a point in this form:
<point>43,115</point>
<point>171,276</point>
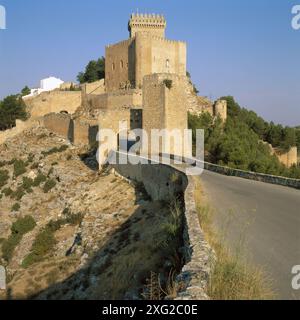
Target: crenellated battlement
<point>151,23</point>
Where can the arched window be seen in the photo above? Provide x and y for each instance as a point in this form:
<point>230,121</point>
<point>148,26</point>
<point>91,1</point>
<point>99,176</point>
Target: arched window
<point>113,67</point>
<point>121,64</point>
<point>168,63</point>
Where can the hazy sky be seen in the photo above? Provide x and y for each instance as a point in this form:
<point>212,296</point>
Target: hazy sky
<point>244,48</point>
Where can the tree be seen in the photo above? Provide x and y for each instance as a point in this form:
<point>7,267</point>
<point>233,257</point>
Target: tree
<point>25,91</point>
<point>11,109</point>
<point>95,70</point>
<point>240,142</point>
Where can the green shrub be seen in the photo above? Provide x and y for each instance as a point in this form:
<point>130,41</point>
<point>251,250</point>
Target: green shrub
<point>18,194</point>
<point>4,176</point>
<point>55,150</point>
<point>42,245</point>
<point>39,179</point>
<point>50,184</point>
<point>23,225</point>
<point>19,168</point>
<point>8,246</point>
<point>45,240</point>
<point>15,207</point>
<point>18,229</point>
<point>27,184</point>
<point>7,192</point>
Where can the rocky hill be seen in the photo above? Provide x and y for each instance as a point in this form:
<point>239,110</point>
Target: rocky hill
<point>70,232</point>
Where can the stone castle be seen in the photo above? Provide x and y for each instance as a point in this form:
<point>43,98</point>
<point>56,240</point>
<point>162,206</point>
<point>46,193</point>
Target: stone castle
<point>146,86</point>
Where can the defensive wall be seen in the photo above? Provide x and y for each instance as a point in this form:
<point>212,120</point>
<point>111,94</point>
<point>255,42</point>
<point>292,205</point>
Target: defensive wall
<point>53,101</point>
<point>75,130</point>
<point>163,182</point>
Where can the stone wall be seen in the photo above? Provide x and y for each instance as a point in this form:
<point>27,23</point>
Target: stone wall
<point>77,131</point>
<point>158,55</point>
<point>164,182</point>
<point>84,132</point>
<point>59,123</point>
<point>294,183</point>
<point>120,64</point>
<point>53,101</point>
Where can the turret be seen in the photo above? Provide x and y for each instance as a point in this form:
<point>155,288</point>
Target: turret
<point>151,23</point>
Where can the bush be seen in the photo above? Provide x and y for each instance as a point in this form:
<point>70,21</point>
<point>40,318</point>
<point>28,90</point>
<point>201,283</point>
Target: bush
<point>55,150</point>
<point>4,176</point>
<point>45,240</point>
<point>39,179</point>
<point>18,229</point>
<point>23,225</point>
<point>16,207</point>
<point>7,192</point>
<point>27,184</point>
<point>19,168</point>
<point>50,184</point>
<point>8,246</point>
<point>18,194</point>
<point>42,245</point>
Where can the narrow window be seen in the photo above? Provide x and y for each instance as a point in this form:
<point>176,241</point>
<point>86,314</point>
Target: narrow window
<point>168,63</point>
<point>113,67</point>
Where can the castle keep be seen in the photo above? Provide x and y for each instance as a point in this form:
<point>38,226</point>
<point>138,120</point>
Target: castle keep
<point>146,86</point>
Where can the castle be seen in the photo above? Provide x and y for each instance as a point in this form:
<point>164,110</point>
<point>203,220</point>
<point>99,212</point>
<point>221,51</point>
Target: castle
<point>146,87</point>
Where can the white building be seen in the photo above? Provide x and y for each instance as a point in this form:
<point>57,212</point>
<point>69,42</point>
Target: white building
<point>47,84</point>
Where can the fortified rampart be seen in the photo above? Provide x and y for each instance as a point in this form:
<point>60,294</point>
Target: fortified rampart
<point>53,101</point>
<point>164,182</point>
<point>75,130</point>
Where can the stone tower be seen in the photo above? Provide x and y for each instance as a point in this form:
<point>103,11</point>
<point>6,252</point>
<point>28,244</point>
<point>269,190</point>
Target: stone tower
<point>146,52</point>
<point>150,23</point>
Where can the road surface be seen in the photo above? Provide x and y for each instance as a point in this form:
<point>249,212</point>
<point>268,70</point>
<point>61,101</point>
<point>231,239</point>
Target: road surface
<point>268,214</point>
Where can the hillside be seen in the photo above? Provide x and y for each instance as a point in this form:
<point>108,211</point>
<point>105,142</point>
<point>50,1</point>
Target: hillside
<point>70,232</point>
<point>242,142</point>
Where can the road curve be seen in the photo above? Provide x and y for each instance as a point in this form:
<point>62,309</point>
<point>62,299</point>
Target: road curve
<point>270,214</point>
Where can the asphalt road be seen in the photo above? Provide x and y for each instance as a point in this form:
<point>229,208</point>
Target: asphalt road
<point>269,216</point>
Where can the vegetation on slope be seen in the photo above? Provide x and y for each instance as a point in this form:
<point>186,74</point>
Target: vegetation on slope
<point>240,142</point>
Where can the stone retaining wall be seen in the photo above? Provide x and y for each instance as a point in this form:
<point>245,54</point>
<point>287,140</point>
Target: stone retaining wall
<point>163,182</point>
<point>288,182</point>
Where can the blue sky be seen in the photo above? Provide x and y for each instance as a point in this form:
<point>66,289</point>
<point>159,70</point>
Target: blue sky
<point>242,48</point>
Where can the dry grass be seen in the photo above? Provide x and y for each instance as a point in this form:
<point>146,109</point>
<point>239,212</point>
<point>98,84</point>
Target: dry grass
<point>232,278</point>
